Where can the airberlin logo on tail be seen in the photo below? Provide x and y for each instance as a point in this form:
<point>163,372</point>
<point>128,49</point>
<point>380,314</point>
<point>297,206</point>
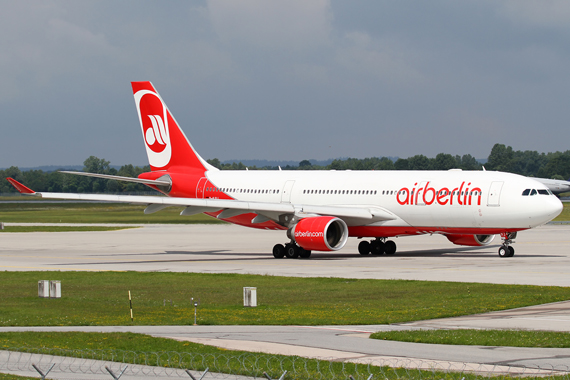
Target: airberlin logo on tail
<point>155,136</point>
<point>154,124</point>
<point>424,194</point>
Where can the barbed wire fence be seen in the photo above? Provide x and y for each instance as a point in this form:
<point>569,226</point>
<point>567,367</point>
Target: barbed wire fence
<point>112,364</point>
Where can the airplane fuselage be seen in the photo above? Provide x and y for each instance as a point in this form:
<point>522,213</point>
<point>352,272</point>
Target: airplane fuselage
<point>421,201</point>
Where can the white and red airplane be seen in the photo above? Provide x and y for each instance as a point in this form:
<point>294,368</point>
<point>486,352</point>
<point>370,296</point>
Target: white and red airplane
<point>320,210</point>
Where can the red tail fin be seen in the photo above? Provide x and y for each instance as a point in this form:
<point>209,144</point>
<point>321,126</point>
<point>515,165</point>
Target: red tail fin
<point>167,147</point>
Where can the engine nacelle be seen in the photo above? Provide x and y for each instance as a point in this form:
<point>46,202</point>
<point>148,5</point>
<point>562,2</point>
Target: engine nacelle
<point>320,233</point>
<point>471,240</point>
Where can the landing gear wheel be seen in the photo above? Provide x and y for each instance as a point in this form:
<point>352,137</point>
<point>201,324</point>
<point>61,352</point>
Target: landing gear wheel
<point>390,247</point>
<point>377,247</point>
<point>364,248</point>
<point>506,250</point>
<point>292,251</point>
<point>278,251</point>
<point>304,253</point>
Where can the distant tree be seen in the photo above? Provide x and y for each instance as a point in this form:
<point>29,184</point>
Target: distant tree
<point>305,164</point>
<point>12,172</point>
<point>500,158</point>
<point>215,163</point>
<point>444,162</point>
<point>402,164</point>
<point>96,185</point>
<point>558,164</point>
<point>384,163</point>
<point>468,162</point>
<point>419,162</point>
<point>96,165</point>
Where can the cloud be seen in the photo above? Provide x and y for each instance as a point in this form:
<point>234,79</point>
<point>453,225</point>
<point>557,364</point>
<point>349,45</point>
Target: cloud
<point>546,13</point>
<point>385,59</point>
<point>270,24</point>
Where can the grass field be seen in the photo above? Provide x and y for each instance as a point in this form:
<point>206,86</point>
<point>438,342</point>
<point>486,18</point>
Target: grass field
<point>102,299</point>
<point>512,338</point>
<point>565,214</point>
<point>132,348</point>
<point>5,376</point>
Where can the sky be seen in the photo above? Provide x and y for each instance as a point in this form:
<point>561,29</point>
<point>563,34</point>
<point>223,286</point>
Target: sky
<point>284,80</point>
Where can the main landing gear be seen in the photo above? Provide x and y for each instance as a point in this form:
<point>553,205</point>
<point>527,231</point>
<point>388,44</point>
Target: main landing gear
<point>291,251</point>
<point>379,246</point>
<point>506,250</point>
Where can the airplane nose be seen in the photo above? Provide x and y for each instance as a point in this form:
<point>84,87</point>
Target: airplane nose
<point>553,208</point>
<point>548,208</point>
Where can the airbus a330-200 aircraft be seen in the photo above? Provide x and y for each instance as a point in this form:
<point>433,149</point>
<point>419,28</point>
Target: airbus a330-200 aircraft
<point>320,210</point>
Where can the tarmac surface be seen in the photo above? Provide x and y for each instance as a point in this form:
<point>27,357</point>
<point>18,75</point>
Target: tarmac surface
<point>542,258</point>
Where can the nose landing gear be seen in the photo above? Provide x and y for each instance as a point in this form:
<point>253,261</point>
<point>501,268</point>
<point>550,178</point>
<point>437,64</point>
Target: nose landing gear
<point>506,250</point>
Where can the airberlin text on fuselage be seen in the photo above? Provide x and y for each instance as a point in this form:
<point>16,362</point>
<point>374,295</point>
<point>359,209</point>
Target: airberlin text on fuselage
<point>462,195</point>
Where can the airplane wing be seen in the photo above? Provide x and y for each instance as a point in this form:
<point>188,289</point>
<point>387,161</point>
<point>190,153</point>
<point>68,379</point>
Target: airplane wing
<point>228,207</point>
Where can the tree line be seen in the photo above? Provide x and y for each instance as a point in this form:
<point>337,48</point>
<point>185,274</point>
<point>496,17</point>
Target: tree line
<point>502,158</point>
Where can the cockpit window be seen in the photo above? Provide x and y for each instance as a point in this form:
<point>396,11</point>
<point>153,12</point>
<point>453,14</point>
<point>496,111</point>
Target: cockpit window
<point>539,191</point>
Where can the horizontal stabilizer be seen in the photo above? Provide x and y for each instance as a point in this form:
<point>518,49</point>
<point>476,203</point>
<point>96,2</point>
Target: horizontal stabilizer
<point>156,182</point>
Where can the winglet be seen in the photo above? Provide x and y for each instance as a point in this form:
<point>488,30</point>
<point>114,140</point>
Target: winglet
<point>21,188</point>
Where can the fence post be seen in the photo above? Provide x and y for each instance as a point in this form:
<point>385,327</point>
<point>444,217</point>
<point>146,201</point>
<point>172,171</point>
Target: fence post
<point>43,375</point>
<point>201,377</point>
<point>115,376</point>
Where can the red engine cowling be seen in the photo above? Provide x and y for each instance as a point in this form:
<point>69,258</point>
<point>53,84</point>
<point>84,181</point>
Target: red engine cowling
<point>321,233</point>
<point>471,240</point>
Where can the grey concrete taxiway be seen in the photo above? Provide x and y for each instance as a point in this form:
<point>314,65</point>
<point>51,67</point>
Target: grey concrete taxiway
<point>542,258</point>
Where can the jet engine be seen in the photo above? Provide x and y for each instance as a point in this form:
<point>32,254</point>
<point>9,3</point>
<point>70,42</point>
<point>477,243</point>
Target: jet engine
<point>320,233</point>
<point>471,240</point>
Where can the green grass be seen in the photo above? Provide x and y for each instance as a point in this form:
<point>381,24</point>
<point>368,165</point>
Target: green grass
<point>5,376</point>
<point>59,228</point>
<point>26,212</point>
<point>512,338</point>
<point>131,348</point>
<point>101,298</point>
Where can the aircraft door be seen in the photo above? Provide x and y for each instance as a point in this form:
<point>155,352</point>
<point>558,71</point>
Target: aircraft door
<point>200,187</point>
<point>286,192</point>
<point>494,197</point>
